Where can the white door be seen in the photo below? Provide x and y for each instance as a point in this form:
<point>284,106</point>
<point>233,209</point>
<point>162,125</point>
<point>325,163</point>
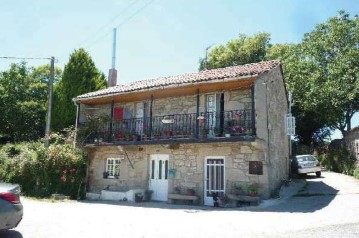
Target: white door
<point>214,179</point>
<point>139,118</point>
<point>211,110</point>
<point>159,177</point>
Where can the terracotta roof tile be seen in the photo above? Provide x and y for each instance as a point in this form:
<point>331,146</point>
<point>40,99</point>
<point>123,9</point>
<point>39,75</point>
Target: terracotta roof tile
<point>202,76</point>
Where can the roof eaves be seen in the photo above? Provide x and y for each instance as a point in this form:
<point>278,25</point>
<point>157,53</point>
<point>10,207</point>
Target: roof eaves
<point>175,85</point>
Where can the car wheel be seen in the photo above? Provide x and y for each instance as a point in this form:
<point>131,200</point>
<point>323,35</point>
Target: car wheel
<point>318,174</point>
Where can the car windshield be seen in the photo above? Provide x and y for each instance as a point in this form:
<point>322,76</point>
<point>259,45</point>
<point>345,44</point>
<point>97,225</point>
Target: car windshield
<point>305,158</point>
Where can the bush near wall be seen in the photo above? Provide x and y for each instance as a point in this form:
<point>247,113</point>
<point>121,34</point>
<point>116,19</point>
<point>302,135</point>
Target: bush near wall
<point>339,160</point>
<point>43,171</point>
<point>356,173</point>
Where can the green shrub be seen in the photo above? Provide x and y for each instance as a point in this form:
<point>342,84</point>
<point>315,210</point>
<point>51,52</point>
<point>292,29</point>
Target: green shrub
<point>43,171</point>
<point>339,160</point>
<point>356,173</point>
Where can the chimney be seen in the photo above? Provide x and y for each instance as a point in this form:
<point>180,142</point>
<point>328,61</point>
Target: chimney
<point>112,74</point>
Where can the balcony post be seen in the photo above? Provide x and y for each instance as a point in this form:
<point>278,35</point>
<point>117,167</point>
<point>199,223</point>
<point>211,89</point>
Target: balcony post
<point>253,114</point>
<point>150,122</point>
<point>197,113</point>
<point>111,121</point>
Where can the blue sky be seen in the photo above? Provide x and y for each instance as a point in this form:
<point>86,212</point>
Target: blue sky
<point>166,38</point>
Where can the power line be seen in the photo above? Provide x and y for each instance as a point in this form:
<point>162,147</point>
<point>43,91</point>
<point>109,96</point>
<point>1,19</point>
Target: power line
<point>24,58</point>
<point>112,19</point>
<point>123,22</point>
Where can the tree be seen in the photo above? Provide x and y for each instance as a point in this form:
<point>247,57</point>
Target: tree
<point>239,51</point>
<point>80,76</point>
<point>333,48</point>
<point>23,101</point>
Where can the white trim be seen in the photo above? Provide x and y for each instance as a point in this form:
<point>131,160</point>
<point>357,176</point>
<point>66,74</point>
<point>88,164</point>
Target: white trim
<point>205,175</point>
<point>114,166</point>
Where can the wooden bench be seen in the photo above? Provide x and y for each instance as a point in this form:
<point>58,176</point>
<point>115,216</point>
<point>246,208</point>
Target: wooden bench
<point>243,199</point>
<point>172,197</point>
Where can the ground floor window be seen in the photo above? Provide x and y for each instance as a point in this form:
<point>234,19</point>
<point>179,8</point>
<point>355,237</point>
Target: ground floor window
<point>113,167</point>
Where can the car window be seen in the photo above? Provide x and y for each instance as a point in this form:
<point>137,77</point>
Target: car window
<point>300,159</point>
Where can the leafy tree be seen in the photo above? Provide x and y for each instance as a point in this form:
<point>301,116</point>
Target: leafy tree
<point>23,101</point>
<point>239,51</point>
<point>80,76</point>
<point>333,49</point>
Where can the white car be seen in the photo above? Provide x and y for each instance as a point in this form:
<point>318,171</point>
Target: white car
<point>304,164</point>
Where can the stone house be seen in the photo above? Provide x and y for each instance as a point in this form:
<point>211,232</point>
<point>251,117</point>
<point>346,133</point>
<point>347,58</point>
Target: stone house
<point>351,141</point>
<point>209,131</point>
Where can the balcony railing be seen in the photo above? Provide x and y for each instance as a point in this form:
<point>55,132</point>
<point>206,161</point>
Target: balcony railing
<point>226,125</point>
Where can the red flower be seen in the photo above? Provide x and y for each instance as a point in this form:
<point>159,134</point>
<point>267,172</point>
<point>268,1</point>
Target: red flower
<point>63,178</point>
<point>73,180</point>
<point>72,170</point>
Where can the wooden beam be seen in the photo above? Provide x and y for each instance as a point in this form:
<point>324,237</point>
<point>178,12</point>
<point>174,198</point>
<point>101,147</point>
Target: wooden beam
<point>175,91</point>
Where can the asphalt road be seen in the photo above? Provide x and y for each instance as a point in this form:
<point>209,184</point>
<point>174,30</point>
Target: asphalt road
<point>320,207</point>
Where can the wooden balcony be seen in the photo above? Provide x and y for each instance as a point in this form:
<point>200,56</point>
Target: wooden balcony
<point>235,125</point>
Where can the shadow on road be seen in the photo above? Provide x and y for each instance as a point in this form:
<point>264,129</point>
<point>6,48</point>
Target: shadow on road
<point>312,196</point>
<point>10,234</point>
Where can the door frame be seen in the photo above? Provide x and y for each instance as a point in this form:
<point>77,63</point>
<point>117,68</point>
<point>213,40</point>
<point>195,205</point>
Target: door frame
<point>208,201</point>
<point>156,174</point>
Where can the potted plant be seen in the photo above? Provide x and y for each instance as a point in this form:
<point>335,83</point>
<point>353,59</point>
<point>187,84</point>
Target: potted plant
<point>138,197</point>
<point>227,133</point>
<point>168,133</point>
<point>191,192</point>
<point>217,132</point>
<point>148,195</point>
<point>201,119</point>
<point>236,189</point>
<point>252,190</point>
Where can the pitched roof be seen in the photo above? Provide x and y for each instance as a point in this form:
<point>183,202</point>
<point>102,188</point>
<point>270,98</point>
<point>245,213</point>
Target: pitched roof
<point>253,69</point>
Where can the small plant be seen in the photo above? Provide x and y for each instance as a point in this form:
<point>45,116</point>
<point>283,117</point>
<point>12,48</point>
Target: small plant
<point>236,189</point>
<point>252,190</point>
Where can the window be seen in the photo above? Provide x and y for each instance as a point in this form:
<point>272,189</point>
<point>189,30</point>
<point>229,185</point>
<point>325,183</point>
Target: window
<point>256,167</point>
<point>113,167</point>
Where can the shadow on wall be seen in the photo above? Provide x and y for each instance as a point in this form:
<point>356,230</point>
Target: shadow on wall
<point>10,234</point>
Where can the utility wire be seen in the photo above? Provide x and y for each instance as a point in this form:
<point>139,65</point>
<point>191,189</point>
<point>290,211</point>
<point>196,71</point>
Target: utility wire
<point>24,58</point>
<point>123,22</point>
<point>112,19</point>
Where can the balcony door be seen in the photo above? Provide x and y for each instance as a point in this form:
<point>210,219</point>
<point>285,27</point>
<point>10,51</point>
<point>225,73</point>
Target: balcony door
<point>159,177</point>
<point>139,118</point>
<point>211,112</point>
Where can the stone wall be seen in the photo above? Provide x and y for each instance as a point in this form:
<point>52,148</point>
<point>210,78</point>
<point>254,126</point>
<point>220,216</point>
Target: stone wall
<point>271,110</point>
<point>233,100</point>
<point>187,159</point>
<point>349,140</point>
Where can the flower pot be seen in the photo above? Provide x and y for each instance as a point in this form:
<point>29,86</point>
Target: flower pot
<point>227,135</point>
<point>253,194</point>
<point>138,197</point>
